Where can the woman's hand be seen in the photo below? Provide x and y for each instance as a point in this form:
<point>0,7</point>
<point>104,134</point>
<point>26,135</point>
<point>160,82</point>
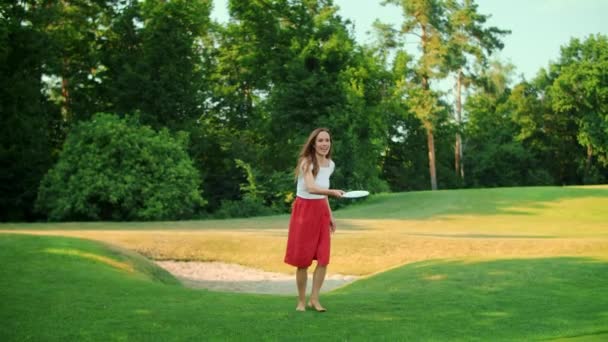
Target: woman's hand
<point>332,225</point>
<point>336,193</point>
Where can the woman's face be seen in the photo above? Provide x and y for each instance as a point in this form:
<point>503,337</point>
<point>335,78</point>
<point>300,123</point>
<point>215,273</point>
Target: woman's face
<point>322,144</point>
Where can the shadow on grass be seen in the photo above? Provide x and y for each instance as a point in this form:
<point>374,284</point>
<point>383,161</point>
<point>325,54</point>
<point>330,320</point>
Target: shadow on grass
<point>491,300</point>
<point>434,204</point>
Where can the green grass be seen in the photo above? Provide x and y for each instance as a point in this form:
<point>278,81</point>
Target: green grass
<point>587,203</point>
<point>59,288</point>
<point>382,231</point>
<point>424,205</point>
<point>262,222</point>
<point>65,289</point>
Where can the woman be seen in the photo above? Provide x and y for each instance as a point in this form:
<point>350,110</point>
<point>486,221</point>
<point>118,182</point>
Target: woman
<point>311,217</point>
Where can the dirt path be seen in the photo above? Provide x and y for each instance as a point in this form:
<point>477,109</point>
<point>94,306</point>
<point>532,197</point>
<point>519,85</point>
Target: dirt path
<point>219,276</point>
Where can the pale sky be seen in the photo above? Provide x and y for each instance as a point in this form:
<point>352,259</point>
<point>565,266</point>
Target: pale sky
<point>539,27</point>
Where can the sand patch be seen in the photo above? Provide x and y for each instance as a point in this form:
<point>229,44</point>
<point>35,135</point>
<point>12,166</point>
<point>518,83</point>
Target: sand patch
<point>220,276</point>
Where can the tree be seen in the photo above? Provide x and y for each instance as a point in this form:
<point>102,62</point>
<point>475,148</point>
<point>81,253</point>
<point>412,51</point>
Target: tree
<point>360,127</point>
<point>425,19</point>
<point>403,164</point>
<point>153,61</point>
<point>470,44</point>
<point>116,169</point>
<point>283,68</point>
<point>30,124</point>
<point>496,156</point>
<point>512,137</point>
<point>76,30</point>
<point>549,138</point>
<point>580,91</point>
<point>251,51</point>
<point>308,91</point>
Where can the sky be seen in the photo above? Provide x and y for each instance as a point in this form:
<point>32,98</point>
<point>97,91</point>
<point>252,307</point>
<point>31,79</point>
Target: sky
<point>538,27</point>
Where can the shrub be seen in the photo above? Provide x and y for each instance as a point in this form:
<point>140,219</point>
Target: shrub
<point>116,169</point>
<point>247,207</point>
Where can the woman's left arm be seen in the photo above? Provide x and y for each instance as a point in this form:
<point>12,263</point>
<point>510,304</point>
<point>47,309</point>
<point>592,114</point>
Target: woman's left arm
<point>332,222</point>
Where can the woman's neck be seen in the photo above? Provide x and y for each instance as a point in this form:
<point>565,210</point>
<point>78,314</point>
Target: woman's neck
<point>321,159</point>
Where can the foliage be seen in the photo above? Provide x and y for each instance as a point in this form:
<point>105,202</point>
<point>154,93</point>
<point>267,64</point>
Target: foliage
<point>30,124</point>
<point>426,20</point>
<point>161,47</point>
<point>580,90</point>
<point>405,163</point>
<point>495,156</point>
<point>247,207</point>
<point>253,88</point>
<point>116,169</point>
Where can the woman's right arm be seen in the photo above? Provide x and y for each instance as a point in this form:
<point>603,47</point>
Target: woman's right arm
<point>311,186</point>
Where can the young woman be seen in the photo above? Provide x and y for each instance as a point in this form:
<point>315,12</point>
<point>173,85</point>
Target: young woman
<point>311,217</point>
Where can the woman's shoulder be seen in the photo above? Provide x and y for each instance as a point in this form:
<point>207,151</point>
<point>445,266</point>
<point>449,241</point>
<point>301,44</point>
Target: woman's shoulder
<point>305,160</point>
<point>305,163</point>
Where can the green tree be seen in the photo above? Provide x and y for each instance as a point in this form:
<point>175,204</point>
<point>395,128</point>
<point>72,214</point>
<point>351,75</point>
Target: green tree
<point>496,156</point>
<point>308,92</point>
<point>116,169</point>
<point>172,43</point>
<point>508,132</point>
<point>284,68</point>
<point>425,19</point>
<point>329,81</point>
<point>249,47</point>
<point>361,126</point>
<point>404,161</point>
<point>154,61</point>
<point>30,124</point>
<point>470,45</point>
<point>76,30</point>
<point>580,91</point>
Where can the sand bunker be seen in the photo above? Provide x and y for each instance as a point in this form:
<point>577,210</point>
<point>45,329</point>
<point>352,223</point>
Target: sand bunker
<point>219,276</point>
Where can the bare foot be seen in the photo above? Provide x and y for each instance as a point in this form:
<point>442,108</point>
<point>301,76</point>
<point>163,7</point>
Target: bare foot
<point>316,305</point>
<point>301,307</point>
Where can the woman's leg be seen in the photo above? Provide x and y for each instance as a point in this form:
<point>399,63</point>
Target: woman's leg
<point>317,281</point>
<point>301,277</point>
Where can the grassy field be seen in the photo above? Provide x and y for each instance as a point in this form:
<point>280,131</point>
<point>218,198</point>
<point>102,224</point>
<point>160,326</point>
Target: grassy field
<point>487,265</point>
<point>64,289</point>
<point>385,231</point>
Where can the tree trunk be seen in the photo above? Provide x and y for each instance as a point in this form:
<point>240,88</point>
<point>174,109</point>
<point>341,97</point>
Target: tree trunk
<point>65,92</point>
<point>431,146</point>
<point>458,163</point>
<point>589,159</point>
<point>458,168</point>
<point>428,125</point>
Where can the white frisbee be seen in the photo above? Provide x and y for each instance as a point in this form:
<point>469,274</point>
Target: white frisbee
<point>355,194</point>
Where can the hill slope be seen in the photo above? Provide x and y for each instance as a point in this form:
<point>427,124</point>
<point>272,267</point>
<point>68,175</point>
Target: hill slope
<point>88,294</point>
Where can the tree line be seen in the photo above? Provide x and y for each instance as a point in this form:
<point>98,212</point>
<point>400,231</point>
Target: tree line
<point>135,110</point>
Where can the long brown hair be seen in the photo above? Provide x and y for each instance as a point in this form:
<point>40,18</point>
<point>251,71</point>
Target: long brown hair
<point>308,152</point>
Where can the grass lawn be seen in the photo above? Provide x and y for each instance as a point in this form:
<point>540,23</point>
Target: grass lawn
<point>60,289</point>
<point>384,231</point>
<point>488,265</point>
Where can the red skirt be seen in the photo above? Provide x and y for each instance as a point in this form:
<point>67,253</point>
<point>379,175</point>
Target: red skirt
<point>309,237</point>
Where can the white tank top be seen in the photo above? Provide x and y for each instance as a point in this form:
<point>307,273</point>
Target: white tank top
<point>321,180</point>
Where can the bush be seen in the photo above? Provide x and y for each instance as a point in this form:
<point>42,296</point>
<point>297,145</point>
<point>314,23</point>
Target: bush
<point>116,169</point>
<point>539,176</point>
<point>247,207</point>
